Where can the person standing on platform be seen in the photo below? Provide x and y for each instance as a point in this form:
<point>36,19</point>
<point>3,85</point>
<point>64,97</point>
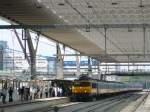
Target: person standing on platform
<point>4,94</point>
<point>56,91</point>
<point>46,92</point>
<point>19,93</point>
<point>32,92</point>
<point>22,93</point>
<point>53,91</point>
<point>10,92</point>
<point>41,92</point>
<point>28,93</point>
<point>60,91</point>
<point>35,92</point>
<point>50,91</point>
<point>38,92</point>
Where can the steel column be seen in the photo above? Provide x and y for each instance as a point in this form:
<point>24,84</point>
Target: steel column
<point>105,35</point>
<point>144,41</point>
<point>32,53</point>
<point>128,63</point>
<point>22,47</point>
<point>99,70</point>
<point>78,66</point>
<point>89,67</point>
<point>59,63</point>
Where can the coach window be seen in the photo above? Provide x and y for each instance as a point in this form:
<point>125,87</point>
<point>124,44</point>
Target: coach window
<point>94,85</point>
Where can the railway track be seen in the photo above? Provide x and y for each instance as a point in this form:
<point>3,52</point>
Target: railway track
<point>104,105</point>
<point>98,104</point>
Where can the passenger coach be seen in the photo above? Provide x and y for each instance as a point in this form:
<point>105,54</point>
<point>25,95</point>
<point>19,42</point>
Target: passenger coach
<point>94,88</point>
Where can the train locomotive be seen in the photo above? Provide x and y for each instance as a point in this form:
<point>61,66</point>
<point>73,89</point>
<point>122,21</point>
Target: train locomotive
<point>90,88</point>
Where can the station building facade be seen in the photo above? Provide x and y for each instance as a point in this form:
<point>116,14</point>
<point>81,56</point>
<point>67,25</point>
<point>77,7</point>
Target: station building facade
<point>3,46</point>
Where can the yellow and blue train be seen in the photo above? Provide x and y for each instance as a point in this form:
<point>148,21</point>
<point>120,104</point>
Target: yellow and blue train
<point>94,88</point>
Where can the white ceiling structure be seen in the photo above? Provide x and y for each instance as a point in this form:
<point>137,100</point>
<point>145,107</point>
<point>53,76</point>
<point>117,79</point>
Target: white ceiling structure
<point>121,44</point>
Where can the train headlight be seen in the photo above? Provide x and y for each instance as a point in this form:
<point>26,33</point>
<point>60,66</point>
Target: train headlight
<point>75,91</point>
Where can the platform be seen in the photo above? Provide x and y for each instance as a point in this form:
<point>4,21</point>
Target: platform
<point>145,106</point>
<point>19,106</point>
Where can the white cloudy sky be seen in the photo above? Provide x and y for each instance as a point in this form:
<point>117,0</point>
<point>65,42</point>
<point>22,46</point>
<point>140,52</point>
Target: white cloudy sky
<point>46,47</point>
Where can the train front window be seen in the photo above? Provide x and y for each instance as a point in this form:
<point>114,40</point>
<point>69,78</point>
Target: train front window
<point>76,84</point>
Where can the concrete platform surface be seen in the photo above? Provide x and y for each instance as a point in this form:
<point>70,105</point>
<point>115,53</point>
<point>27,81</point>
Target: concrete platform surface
<point>34,104</point>
<point>29,101</point>
<point>145,106</point>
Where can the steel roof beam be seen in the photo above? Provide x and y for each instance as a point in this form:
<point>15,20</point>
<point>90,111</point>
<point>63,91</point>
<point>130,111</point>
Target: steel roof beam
<point>123,65</point>
<point>51,26</point>
<point>105,55</point>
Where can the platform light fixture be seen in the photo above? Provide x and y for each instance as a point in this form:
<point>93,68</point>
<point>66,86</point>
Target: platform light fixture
<point>38,6</point>
<point>114,3</point>
<point>61,4</point>
<point>89,6</point>
<point>39,1</point>
<point>87,28</point>
<point>130,30</point>
<point>8,4</point>
<point>141,6</point>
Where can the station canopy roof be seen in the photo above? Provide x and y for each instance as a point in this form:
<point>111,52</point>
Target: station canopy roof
<point>122,33</point>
